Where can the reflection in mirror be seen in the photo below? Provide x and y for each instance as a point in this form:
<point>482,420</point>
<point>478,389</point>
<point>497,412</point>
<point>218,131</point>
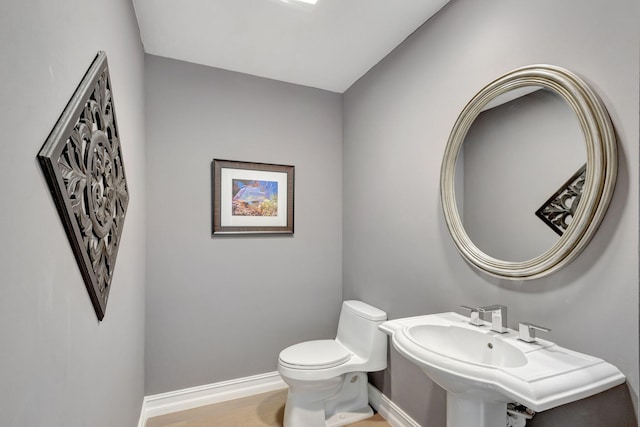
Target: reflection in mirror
<point>516,155</point>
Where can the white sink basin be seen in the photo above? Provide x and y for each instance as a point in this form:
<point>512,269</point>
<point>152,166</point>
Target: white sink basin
<point>467,345</point>
<point>482,370</point>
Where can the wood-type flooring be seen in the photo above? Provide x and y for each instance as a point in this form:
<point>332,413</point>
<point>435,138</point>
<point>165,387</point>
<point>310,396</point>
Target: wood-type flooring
<point>261,410</point>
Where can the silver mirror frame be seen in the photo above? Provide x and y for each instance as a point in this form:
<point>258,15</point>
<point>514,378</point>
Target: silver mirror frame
<point>602,166</point>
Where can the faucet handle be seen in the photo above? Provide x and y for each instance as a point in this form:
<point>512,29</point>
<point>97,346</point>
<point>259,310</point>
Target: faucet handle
<point>474,315</point>
<point>527,331</point>
<point>498,317</point>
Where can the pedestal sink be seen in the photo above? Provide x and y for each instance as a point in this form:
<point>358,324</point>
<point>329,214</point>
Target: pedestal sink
<point>482,371</point>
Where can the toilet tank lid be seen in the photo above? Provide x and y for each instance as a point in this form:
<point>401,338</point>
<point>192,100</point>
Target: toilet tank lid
<point>365,310</point>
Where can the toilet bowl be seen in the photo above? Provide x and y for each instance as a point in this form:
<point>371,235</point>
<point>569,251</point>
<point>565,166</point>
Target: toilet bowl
<point>327,379</point>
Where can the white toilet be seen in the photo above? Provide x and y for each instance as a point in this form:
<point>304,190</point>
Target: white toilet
<point>328,378</point>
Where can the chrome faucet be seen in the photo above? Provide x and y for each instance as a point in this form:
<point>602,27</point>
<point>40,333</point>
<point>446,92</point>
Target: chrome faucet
<point>527,331</point>
<point>474,315</point>
<point>498,317</point>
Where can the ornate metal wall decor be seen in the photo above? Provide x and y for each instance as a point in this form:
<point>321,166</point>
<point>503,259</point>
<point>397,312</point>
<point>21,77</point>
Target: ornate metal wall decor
<point>561,207</point>
<point>82,162</point>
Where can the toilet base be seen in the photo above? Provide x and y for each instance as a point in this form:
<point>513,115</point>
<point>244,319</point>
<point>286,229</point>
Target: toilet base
<point>349,417</point>
<point>336,402</point>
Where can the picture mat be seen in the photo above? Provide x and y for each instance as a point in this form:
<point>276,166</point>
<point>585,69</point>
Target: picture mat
<point>227,175</point>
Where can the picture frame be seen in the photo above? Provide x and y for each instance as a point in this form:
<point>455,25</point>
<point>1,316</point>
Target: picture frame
<point>82,163</point>
<point>251,198</point>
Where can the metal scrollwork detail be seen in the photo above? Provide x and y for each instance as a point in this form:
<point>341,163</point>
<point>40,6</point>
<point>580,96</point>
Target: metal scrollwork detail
<point>91,165</point>
<point>82,160</point>
<point>559,210</point>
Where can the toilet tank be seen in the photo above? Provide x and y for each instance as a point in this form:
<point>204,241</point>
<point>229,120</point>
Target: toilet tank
<point>358,331</point>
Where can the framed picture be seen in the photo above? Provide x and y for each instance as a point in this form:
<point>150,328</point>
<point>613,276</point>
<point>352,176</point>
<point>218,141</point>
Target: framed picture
<point>251,198</point>
<point>82,163</point>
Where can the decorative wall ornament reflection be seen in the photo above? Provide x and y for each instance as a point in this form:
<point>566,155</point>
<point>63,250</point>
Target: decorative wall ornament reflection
<point>82,163</point>
<point>559,210</point>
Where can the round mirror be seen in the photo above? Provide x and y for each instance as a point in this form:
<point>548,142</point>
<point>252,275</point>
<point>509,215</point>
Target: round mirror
<point>528,172</point>
<point>519,150</point>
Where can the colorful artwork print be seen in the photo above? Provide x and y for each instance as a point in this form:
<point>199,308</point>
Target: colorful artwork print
<point>251,198</point>
<point>254,198</point>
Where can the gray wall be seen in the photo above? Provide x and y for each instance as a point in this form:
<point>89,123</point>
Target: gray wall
<point>59,365</point>
<point>223,307</point>
<point>397,253</point>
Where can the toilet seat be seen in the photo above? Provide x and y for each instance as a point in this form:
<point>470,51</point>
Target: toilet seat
<point>318,354</point>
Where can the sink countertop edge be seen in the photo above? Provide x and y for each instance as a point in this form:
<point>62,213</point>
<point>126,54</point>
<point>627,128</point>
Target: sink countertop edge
<point>515,387</point>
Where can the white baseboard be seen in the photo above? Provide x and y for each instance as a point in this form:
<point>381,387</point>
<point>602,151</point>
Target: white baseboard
<point>143,419</point>
<point>180,400</point>
<point>389,410</point>
<point>189,398</point>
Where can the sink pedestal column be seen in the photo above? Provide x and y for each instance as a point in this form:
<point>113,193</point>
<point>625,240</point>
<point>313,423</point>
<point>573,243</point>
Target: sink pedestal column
<point>465,411</point>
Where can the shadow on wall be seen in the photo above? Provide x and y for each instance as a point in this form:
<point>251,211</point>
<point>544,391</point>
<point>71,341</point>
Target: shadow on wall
<point>612,408</point>
<point>402,381</point>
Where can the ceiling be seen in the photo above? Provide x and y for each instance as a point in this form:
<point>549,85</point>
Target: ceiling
<point>328,46</point>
